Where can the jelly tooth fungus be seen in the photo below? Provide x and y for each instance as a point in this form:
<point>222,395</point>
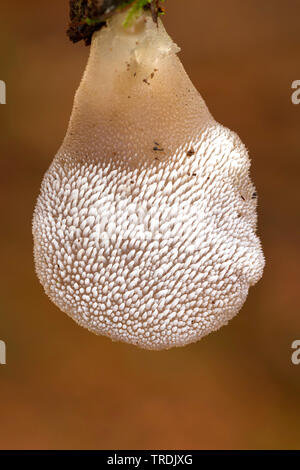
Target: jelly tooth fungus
<point>145,226</point>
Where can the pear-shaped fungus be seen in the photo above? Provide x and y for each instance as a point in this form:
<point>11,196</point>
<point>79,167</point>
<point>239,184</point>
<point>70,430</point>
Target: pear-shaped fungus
<point>144,229</point>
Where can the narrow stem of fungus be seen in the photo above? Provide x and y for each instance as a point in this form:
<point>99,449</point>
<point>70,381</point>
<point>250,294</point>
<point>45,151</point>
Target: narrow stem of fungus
<point>131,70</point>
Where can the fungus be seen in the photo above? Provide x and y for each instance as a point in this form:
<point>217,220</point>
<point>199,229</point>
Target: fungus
<point>156,252</point>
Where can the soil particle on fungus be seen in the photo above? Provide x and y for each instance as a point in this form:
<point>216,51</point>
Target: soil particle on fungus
<point>156,9</point>
<point>157,147</point>
<point>190,152</point>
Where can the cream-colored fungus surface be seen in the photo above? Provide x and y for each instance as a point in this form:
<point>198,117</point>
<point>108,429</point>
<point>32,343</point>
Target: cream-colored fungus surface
<point>145,226</point>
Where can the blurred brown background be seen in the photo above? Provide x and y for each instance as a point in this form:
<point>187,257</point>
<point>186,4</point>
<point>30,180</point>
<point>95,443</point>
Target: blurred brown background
<point>62,386</point>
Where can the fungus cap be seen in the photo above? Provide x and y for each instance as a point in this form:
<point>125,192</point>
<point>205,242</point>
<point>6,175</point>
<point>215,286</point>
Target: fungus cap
<point>145,226</point>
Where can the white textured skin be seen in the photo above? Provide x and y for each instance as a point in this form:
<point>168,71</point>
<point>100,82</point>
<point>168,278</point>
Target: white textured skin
<point>152,247</point>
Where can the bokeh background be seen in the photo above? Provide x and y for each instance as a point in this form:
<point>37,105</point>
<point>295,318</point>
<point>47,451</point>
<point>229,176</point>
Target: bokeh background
<point>65,388</point>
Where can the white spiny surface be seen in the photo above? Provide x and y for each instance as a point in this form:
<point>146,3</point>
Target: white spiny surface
<point>144,229</point>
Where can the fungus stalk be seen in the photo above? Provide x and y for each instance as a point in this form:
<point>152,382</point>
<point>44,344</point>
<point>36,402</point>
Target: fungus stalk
<point>145,226</point>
